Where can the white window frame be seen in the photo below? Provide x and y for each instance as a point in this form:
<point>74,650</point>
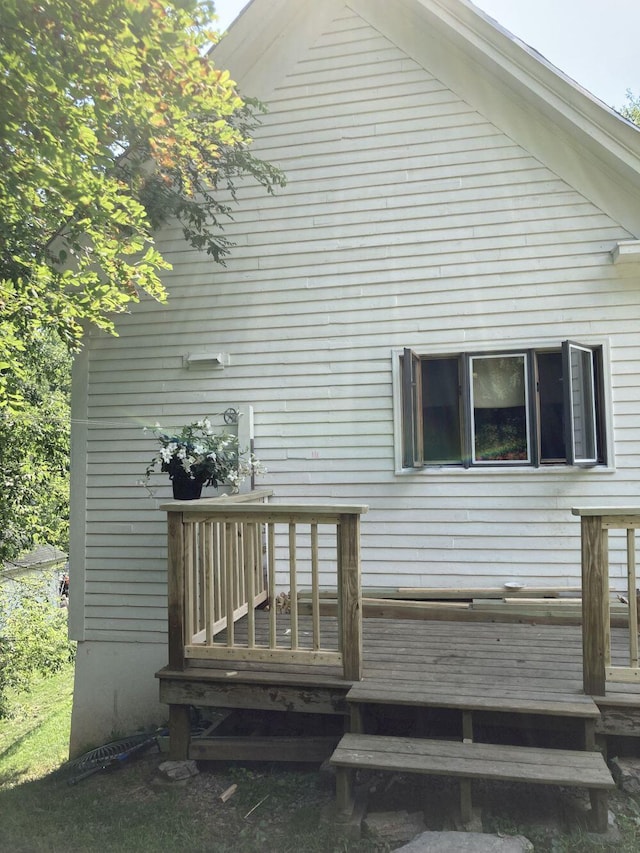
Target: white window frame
<point>525,369</point>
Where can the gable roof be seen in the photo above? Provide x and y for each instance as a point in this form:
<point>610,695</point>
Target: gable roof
<point>585,142</point>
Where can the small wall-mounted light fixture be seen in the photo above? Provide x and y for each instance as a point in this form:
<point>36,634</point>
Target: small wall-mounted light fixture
<point>212,360</point>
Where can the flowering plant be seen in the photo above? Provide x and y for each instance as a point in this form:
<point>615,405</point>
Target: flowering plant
<point>198,453</point>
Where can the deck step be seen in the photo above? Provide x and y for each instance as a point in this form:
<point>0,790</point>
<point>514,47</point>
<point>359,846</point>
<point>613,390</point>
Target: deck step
<point>474,760</point>
<point>466,761</point>
<point>481,698</point>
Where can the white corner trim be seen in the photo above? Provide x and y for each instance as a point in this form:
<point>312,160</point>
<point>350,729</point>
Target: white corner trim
<point>626,252</point>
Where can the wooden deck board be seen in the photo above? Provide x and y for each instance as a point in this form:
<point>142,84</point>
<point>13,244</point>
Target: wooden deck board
<point>489,698</point>
<point>474,760</point>
<point>522,663</point>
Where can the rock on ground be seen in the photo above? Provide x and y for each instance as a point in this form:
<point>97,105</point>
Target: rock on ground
<point>626,772</point>
<point>177,771</point>
<point>466,842</point>
<point>395,827</point>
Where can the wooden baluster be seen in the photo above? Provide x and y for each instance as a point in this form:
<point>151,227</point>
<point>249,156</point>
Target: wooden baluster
<point>293,586</point>
<point>315,587</point>
<point>249,581</point>
<point>200,576</point>
<point>258,573</point>
<point>631,588</point>
<point>217,578</point>
<point>229,564</point>
<point>209,582</point>
<point>271,577</point>
<point>189,585</point>
<point>238,576</point>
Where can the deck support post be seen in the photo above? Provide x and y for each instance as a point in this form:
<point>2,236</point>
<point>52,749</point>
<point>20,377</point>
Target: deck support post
<point>344,792</point>
<point>356,723</point>
<point>590,744</point>
<point>466,809</point>
<point>175,589</point>
<point>595,604</point>
<point>599,810</point>
<point>351,596</point>
<point>179,732</point>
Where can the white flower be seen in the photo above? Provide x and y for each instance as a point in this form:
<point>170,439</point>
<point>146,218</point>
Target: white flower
<point>218,458</point>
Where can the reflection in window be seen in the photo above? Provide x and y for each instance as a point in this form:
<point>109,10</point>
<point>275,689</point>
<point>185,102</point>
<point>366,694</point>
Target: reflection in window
<point>499,402</point>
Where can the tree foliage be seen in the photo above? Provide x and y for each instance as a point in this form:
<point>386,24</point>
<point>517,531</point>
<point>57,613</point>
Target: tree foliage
<point>33,635</point>
<point>113,118</point>
<point>631,109</point>
<point>34,451</point>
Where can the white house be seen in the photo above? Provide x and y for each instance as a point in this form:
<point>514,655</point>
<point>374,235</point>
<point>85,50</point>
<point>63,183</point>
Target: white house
<point>437,317</point>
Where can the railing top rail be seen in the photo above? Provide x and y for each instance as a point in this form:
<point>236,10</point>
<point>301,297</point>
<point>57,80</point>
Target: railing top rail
<point>225,500</point>
<point>606,510</point>
<point>258,510</point>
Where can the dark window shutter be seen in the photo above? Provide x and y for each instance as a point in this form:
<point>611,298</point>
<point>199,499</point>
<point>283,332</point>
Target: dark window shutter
<point>412,433</point>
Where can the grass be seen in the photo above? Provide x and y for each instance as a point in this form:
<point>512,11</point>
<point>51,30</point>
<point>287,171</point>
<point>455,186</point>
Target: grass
<point>275,809</point>
<point>34,739</point>
<point>122,810</point>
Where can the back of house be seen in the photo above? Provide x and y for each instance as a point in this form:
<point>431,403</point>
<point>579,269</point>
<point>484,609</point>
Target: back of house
<point>436,317</point>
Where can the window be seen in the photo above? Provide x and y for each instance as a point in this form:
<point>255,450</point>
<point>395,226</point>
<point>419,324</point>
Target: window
<point>524,407</point>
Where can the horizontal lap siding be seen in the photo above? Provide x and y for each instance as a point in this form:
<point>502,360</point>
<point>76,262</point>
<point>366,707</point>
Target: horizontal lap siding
<point>408,220</point>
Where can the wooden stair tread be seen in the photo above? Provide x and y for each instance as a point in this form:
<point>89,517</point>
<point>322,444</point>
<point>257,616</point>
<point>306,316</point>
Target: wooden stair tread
<point>474,760</point>
<point>484,698</point>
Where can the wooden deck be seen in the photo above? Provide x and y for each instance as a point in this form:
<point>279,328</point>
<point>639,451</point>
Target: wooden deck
<point>498,667</point>
<point>521,700</point>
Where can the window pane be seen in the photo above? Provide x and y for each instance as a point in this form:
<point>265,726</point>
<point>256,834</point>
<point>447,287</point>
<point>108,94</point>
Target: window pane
<point>441,411</point>
<point>499,404</point>
<point>551,400</point>
<point>582,404</point>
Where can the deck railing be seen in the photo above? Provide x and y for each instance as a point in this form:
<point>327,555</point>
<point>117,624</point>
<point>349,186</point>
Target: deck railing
<point>596,522</point>
<point>229,556</point>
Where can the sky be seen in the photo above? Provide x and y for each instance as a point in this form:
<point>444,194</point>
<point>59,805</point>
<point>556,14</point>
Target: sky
<point>595,42</point>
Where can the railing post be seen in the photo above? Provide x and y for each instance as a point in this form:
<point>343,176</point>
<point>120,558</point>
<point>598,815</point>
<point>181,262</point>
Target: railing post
<point>351,595</point>
<point>175,589</point>
<point>595,604</point>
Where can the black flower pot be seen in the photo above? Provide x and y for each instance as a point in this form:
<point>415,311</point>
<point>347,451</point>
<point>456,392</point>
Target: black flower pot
<point>186,489</point>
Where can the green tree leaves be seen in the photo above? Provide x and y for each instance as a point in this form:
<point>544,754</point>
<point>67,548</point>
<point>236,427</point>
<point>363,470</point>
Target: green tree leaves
<point>33,634</point>
<point>34,450</point>
<point>112,120</point>
<point>631,110</point>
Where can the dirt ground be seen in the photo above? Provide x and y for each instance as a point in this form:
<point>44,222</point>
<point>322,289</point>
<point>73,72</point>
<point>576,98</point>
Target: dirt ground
<point>273,805</point>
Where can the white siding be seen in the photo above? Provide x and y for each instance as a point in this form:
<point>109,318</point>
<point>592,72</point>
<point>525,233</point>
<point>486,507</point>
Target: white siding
<point>408,220</point>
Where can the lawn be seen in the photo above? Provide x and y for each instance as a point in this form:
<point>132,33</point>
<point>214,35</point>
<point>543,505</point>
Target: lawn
<point>274,810</point>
